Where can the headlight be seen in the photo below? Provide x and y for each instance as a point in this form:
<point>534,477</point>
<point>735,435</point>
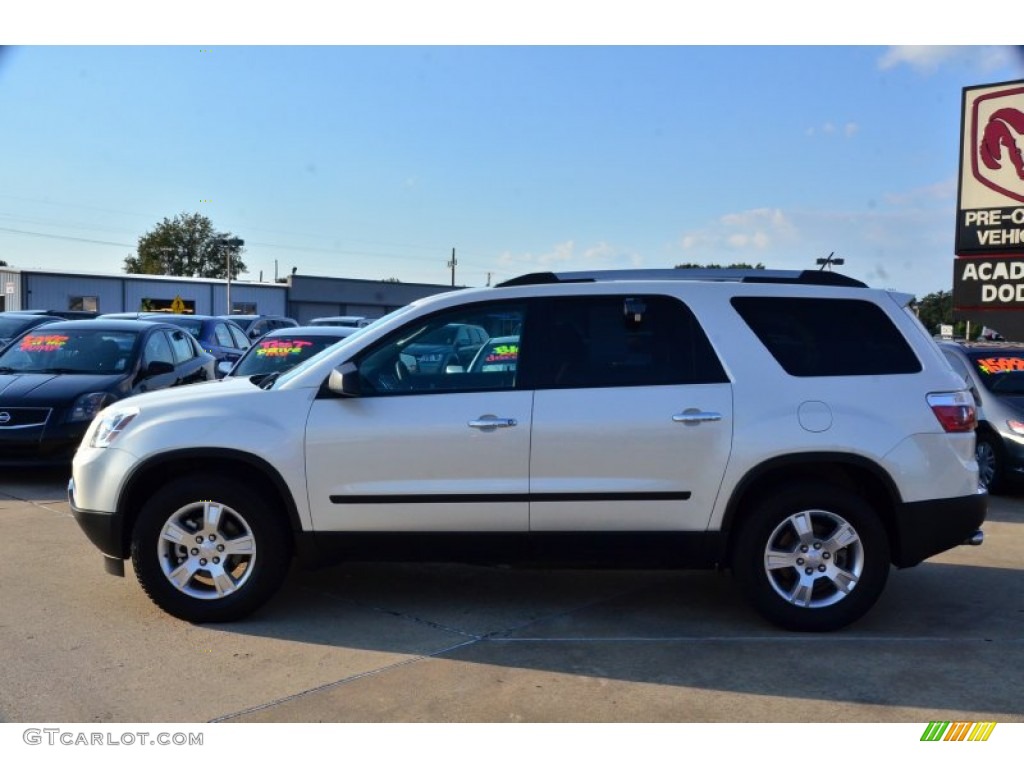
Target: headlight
<point>87,406</point>
<point>106,430</point>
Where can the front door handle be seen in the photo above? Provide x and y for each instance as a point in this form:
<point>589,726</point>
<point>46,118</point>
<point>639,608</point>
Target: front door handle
<point>694,416</point>
<point>488,423</point>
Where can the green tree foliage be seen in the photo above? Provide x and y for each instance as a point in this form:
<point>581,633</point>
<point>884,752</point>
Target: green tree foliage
<point>187,246</point>
<point>740,265</point>
<point>936,309</point>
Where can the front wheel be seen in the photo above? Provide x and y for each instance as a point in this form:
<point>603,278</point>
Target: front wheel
<point>208,548</point>
<point>812,559</point>
<point>990,463</point>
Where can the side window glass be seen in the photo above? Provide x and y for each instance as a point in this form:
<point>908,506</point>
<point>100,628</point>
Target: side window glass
<point>827,337</point>
<point>625,341</point>
<point>182,345</point>
<point>426,356</point>
<point>158,349</point>
<point>239,338</point>
<point>223,335</point>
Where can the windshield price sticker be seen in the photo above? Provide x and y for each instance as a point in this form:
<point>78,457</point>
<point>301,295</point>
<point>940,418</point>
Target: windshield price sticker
<point>281,347</point>
<point>1000,364</point>
<point>503,353</point>
<point>50,342</point>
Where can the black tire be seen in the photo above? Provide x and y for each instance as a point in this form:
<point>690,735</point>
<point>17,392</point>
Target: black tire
<point>991,465</point>
<point>237,555</point>
<point>812,559</point>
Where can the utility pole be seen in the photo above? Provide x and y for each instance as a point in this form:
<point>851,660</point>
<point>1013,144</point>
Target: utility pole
<point>452,264</point>
<point>228,244</point>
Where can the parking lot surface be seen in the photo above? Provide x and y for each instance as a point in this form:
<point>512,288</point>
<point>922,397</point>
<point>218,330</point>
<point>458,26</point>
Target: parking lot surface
<point>452,643</point>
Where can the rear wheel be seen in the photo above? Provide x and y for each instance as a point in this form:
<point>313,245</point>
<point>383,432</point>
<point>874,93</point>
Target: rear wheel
<point>209,549</point>
<point>812,559</point>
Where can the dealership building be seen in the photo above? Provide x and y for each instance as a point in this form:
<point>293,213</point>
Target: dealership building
<point>303,297</point>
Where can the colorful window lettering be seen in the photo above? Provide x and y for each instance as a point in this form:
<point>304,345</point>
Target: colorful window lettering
<point>282,347</point>
<point>504,353</point>
<point>43,342</point>
<point>1000,364</point>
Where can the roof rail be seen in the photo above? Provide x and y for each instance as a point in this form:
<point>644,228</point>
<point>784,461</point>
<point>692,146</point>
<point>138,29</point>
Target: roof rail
<point>793,276</point>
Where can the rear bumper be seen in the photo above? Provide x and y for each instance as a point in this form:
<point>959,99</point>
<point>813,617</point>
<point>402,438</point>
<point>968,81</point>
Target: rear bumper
<point>926,528</point>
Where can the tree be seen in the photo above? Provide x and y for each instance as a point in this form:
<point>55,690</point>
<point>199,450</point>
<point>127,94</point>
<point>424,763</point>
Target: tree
<point>187,246</point>
<point>741,265</point>
<point>936,309</point>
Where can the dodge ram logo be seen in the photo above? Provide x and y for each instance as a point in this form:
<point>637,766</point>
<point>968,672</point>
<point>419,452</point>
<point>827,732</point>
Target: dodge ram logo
<point>997,136</point>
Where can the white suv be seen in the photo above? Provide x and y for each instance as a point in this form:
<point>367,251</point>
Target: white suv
<point>801,429</point>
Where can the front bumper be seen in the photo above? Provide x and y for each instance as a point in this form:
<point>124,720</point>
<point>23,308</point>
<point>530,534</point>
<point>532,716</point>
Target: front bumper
<point>49,446</point>
<point>926,528</point>
<point>104,529</point>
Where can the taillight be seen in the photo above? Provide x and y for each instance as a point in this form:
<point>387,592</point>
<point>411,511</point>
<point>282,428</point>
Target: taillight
<point>954,410</point>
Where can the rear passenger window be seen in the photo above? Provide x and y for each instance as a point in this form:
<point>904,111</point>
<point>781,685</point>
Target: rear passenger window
<point>183,348</point>
<point>624,341</point>
<point>827,337</point>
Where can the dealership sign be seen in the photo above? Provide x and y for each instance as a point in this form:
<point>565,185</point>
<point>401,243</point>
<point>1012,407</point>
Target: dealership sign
<point>990,216</point>
<point>994,283</point>
<point>988,273</point>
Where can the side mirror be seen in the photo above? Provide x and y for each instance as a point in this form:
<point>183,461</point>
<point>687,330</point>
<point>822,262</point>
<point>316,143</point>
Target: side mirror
<point>224,367</point>
<point>454,369</point>
<point>344,381</point>
<point>158,368</point>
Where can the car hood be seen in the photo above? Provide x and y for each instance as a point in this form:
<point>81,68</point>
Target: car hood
<point>204,390</point>
<point>53,388</point>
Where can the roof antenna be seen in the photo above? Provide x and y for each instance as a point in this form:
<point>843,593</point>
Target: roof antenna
<point>829,262</point>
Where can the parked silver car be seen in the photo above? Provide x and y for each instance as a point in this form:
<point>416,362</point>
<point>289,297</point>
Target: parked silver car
<point>995,371</point>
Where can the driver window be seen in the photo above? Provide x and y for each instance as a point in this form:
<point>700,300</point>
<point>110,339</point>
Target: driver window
<point>470,349</point>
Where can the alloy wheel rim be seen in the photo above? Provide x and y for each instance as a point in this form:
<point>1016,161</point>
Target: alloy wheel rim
<point>206,550</point>
<point>814,558</point>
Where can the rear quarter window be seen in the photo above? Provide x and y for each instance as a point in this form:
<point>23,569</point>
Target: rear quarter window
<point>827,337</point>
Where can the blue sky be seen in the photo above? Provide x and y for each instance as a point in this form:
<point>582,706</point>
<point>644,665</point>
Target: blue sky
<point>376,161</point>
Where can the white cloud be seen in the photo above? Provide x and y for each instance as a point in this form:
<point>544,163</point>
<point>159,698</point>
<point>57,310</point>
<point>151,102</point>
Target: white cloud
<point>941,191</point>
<point>566,256</point>
<point>848,130</point>
<point>928,59</point>
<point>754,230</point>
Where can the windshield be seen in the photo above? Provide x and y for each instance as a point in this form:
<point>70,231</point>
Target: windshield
<point>281,353</point>
<point>1002,373</point>
<point>77,351</point>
